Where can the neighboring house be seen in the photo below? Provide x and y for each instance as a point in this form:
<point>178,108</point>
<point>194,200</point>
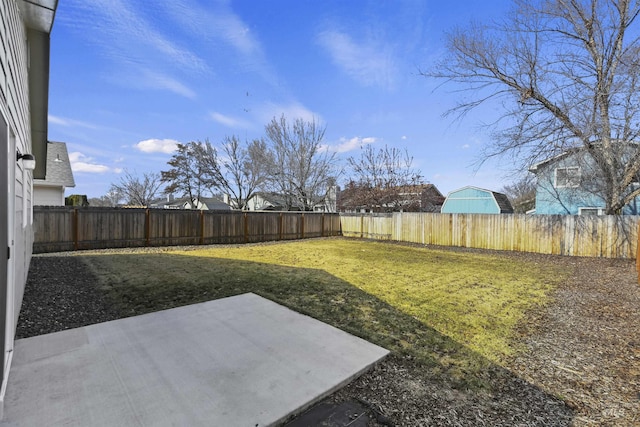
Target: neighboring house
<point>58,176</point>
<point>24,81</point>
<point>204,203</point>
<point>431,199</point>
<point>568,184</point>
<point>329,203</point>
<point>476,200</point>
<point>410,198</point>
<point>263,201</point>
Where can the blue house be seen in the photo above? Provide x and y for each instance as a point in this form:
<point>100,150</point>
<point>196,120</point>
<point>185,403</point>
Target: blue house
<point>568,184</point>
<point>476,200</point>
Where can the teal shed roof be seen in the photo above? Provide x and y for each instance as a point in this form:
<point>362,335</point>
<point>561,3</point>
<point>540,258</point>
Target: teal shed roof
<point>476,200</point>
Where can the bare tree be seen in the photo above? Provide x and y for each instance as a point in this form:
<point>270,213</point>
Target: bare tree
<point>111,199</point>
<point>108,200</point>
<point>300,168</point>
<point>521,193</point>
<point>567,73</point>
<point>186,174</point>
<point>237,170</point>
<point>384,180</point>
<point>135,190</point>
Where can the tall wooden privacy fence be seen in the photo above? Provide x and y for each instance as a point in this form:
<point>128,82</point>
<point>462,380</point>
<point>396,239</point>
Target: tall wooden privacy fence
<point>593,236</point>
<point>66,229</point>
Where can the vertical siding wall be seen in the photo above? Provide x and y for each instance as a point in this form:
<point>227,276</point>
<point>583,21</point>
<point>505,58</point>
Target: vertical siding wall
<point>15,111</point>
<point>593,236</point>
<point>14,106</point>
<point>66,229</point>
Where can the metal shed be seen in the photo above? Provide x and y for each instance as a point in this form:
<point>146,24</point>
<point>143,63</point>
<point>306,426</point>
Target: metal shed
<point>476,200</point>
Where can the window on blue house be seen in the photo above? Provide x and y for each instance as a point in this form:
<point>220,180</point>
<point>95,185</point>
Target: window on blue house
<point>590,211</point>
<point>568,177</point>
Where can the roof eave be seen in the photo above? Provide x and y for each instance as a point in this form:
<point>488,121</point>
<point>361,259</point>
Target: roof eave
<point>38,14</point>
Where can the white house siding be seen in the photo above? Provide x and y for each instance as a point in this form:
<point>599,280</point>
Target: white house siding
<point>14,108</point>
<point>48,195</point>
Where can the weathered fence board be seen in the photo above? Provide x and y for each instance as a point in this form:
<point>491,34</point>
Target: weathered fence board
<point>48,229</point>
<point>65,229</point>
<point>227,228</point>
<point>592,236</point>
<point>120,229</point>
<point>173,227</point>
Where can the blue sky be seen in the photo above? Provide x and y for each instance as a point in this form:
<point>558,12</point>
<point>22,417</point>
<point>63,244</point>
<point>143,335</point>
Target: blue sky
<point>131,78</point>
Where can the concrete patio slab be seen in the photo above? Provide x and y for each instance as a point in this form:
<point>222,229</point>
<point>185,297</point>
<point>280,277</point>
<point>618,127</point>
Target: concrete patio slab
<point>238,361</point>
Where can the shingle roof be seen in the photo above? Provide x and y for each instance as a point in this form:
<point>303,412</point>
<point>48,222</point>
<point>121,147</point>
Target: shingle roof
<point>58,165</point>
<point>215,204</point>
<point>275,199</point>
<point>211,203</point>
<point>503,202</point>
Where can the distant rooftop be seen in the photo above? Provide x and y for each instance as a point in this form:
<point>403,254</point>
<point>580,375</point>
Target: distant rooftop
<point>58,165</point>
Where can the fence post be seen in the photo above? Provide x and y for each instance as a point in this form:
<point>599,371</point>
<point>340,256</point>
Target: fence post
<point>322,226</point>
<point>75,229</point>
<point>280,226</point>
<point>302,225</point>
<point>202,227</point>
<point>147,227</point>
<point>638,254</point>
<point>246,228</point>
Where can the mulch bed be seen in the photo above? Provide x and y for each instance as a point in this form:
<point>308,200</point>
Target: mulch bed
<point>61,293</point>
<point>581,366</point>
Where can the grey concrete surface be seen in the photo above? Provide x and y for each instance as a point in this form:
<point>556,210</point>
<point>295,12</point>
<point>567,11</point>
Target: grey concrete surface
<point>238,361</point>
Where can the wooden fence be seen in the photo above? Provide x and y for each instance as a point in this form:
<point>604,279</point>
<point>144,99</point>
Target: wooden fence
<point>592,236</point>
<point>67,229</point>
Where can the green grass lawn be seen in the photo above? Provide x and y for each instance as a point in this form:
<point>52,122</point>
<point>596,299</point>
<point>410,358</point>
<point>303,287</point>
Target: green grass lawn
<point>453,312</point>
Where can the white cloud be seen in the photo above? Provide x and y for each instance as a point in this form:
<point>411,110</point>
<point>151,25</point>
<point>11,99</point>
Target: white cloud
<point>354,143</point>
<point>466,146</point>
<point>217,21</point>
<point>157,80</point>
<point>128,34</point>
<point>58,120</point>
<point>369,63</point>
<point>219,26</point>
<point>81,163</point>
<point>166,146</point>
<point>228,121</point>
<point>403,137</point>
<point>63,121</point>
